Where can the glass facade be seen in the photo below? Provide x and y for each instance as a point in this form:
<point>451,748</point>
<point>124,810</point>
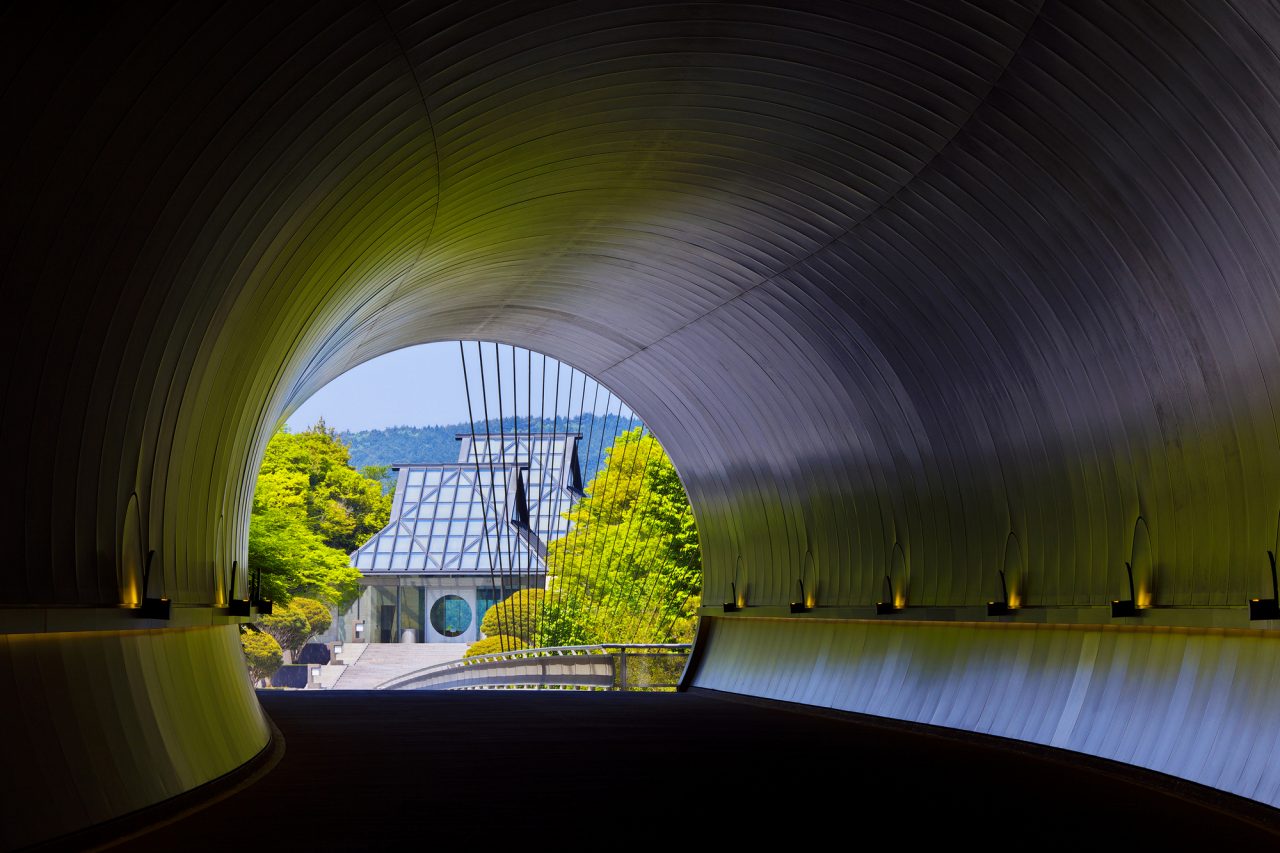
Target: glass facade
<point>484,519</point>
<point>492,511</point>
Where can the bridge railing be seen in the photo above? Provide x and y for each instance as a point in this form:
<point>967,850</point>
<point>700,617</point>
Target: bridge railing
<point>609,666</point>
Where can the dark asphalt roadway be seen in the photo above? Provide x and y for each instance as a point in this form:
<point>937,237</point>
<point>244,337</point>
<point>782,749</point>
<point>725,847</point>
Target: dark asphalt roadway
<point>393,771</point>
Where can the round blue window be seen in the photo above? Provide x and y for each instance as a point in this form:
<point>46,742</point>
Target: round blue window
<point>451,615</point>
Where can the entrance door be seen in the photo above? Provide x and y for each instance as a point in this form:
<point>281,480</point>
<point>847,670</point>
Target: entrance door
<point>387,623</point>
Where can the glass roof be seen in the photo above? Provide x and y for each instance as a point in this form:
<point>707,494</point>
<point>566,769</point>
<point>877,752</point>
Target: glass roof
<point>491,511</point>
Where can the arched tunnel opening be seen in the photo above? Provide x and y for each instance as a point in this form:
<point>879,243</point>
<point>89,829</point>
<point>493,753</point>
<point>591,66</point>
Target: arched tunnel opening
<point>960,313</point>
<point>497,509</point>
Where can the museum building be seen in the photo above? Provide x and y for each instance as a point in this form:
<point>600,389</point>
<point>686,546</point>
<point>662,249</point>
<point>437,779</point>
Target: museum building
<point>463,536</point>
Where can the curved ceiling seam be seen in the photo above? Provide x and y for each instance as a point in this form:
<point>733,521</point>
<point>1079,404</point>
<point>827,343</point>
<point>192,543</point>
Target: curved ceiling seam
<point>1162,218</point>
<point>435,150</point>
<point>1243,186</point>
<point>930,202</point>
<point>167,447</point>
<point>875,209</point>
<point>60,311</point>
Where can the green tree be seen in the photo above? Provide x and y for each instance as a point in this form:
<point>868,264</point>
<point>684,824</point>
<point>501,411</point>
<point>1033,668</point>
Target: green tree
<point>292,626</point>
<point>310,474</point>
<point>293,559</point>
<point>310,510</point>
<point>317,615</point>
<point>289,628</point>
<point>630,568</point>
<point>262,654</point>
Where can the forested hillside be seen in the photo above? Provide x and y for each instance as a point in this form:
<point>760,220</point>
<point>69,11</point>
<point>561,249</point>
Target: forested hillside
<point>393,445</point>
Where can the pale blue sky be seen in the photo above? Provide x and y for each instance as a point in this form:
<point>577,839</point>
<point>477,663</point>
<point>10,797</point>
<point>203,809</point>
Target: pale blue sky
<point>423,386</point>
<point>416,386</point>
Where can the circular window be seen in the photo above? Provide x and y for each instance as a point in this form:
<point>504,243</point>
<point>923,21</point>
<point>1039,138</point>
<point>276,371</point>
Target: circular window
<point>450,615</point>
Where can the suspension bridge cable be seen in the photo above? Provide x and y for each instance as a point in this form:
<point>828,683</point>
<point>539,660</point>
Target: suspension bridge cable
<point>583,461</point>
<point>543,492</point>
<point>596,569</point>
<point>504,624</point>
<point>554,518</point>
<point>568,407</point>
<point>595,422</point>
<point>638,507</point>
<point>475,458</point>
<point>655,618</point>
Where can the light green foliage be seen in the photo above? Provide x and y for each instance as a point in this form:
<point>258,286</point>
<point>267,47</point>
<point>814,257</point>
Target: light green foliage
<point>630,569</point>
<point>383,474</point>
<point>515,616</point>
<point>292,559</point>
<point>564,621</point>
<point>317,615</point>
<point>262,653</point>
<point>494,644</point>
<point>310,510</point>
<point>309,473</point>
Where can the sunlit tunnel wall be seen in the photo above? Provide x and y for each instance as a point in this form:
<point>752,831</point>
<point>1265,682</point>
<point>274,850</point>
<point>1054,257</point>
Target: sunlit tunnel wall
<point>898,285</point>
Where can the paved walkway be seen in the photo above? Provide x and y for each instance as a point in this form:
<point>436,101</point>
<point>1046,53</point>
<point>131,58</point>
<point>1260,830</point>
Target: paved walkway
<point>379,662</point>
<point>401,771</point>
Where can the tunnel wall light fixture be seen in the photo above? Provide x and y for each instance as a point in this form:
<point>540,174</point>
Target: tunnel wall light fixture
<point>1267,608</point>
<point>731,606</point>
<point>801,606</point>
<point>262,605</point>
<point>889,606</point>
<point>236,606</point>
<point>1120,609</point>
<point>152,608</point>
<point>1001,607</point>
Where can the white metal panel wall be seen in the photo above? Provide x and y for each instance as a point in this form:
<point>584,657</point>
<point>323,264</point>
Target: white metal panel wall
<point>1200,704</point>
<point>99,724</point>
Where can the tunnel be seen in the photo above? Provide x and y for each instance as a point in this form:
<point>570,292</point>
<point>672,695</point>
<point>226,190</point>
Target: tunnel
<point>964,315</point>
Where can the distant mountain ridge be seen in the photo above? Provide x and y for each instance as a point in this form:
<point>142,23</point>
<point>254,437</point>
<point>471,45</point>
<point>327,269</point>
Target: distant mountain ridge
<point>433,444</point>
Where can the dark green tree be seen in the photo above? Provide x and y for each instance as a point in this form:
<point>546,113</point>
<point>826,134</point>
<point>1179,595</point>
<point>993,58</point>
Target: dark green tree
<point>293,625</point>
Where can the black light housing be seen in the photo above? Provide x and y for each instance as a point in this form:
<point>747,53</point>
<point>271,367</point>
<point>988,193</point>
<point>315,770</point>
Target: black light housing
<point>152,608</point>
<point>885,608</point>
<point>802,605</point>
<point>1121,609</point>
<point>1267,608</point>
<point>1000,608</point>
<point>262,605</point>
<point>732,605</point>
<point>236,606</point>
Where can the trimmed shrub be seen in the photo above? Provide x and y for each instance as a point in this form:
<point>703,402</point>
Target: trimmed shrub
<point>491,645</point>
<point>516,616</point>
<point>262,653</point>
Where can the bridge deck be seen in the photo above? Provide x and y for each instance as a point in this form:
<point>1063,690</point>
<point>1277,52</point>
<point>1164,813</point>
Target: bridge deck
<point>407,770</point>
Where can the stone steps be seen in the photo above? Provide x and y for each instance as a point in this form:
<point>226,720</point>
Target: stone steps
<point>379,662</point>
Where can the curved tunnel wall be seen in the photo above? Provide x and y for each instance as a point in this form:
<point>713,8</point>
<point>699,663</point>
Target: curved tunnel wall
<point>897,283</point>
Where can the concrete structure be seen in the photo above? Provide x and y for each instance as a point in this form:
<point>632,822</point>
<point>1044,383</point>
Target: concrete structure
<point>917,291</point>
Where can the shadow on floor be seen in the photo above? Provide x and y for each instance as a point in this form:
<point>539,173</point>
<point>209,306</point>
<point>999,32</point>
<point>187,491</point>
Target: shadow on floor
<point>393,771</point>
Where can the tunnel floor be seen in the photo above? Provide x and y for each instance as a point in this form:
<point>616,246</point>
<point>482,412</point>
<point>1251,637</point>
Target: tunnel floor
<point>399,770</point>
